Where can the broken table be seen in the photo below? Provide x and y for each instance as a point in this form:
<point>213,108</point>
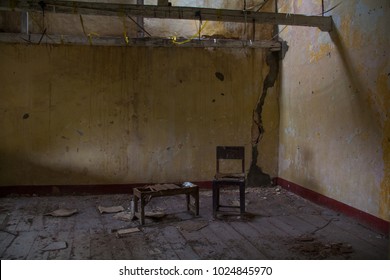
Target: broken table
<point>145,194</point>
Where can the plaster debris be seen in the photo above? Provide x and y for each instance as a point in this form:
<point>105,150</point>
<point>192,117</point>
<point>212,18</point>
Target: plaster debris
<point>154,251</point>
<point>305,238</point>
<point>188,184</point>
<point>236,203</point>
<point>112,209</point>
<point>123,232</point>
<point>124,216</point>
<point>56,246</point>
<point>155,214</point>
<point>315,249</point>
<point>62,212</point>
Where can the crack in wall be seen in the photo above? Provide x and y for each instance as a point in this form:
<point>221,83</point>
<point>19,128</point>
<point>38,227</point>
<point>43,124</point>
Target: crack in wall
<point>256,177</point>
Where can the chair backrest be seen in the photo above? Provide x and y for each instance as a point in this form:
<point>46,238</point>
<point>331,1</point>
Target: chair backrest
<point>231,152</point>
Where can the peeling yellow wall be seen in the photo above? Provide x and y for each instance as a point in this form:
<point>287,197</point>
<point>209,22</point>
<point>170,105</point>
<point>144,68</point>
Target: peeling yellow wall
<point>96,115</point>
<point>335,104</point>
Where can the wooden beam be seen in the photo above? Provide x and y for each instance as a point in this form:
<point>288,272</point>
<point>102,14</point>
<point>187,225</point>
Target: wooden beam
<point>169,12</point>
<point>135,42</point>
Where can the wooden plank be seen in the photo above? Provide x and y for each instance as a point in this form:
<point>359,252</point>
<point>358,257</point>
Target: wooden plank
<point>252,236</point>
<point>159,247</point>
<point>80,245</point>
<point>179,244</point>
<point>236,240</point>
<point>98,245</point>
<point>220,239</point>
<point>136,42</point>
<point>203,245</point>
<point>5,241</point>
<point>63,254</point>
<point>41,241</point>
<point>21,245</point>
<point>270,239</point>
<point>137,246</point>
<point>170,12</point>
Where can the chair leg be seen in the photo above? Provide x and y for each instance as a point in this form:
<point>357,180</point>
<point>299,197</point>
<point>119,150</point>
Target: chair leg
<point>242,197</point>
<point>215,198</point>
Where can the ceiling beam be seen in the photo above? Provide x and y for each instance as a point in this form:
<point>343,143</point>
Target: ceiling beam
<point>37,39</point>
<point>169,12</point>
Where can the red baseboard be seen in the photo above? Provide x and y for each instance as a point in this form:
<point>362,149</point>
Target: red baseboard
<point>365,218</point>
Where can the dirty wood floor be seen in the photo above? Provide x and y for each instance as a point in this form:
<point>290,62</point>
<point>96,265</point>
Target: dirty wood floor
<point>278,225</point>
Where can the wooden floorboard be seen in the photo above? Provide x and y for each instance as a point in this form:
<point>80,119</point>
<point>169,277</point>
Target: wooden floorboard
<point>277,225</point>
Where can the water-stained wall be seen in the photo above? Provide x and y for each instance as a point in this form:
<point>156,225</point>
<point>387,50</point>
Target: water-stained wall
<point>106,115</point>
<point>335,104</point>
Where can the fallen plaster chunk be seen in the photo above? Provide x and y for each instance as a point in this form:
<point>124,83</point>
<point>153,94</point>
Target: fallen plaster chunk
<point>112,209</point>
<point>56,246</point>
<point>123,232</point>
<point>124,216</point>
<point>63,212</point>
<point>154,251</point>
<point>188,184</point>
<point>236,203</point>
<point>155,214</point>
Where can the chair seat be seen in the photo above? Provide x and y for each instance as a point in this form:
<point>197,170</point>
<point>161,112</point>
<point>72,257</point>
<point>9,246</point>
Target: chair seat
<point>236,176</point>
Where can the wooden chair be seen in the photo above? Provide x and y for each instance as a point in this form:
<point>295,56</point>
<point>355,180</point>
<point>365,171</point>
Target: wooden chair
<point>229,179</point>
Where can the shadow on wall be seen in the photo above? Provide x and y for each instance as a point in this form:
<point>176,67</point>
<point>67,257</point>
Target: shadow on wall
<point>353,77</point>
<point>30,174</point>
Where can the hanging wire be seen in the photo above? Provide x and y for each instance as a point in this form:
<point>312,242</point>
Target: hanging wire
<point>197,34</point>
<point>334,7</point>
<point>89,35</point>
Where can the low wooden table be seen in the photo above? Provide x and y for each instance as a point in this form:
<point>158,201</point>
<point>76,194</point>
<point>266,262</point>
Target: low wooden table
<point>145,194</point>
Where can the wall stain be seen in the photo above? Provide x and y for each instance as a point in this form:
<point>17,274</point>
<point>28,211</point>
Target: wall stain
<point>318,53</point>
<point>256,177</point>
<point>220,76</point>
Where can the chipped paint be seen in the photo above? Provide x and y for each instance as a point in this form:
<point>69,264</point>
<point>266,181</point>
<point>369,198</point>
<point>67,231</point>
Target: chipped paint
<point>317,53</point>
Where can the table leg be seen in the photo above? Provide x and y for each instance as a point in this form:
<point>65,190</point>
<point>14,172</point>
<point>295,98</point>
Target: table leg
<point>142,216</point>
<point>188,201</point>
<point>196,197</point>
<point>242,198</point>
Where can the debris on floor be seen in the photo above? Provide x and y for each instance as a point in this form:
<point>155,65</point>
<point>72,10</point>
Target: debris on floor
<point>188,184</point>
<point>124,216</point>
<point>236,202</point>
<point>62,212</point>
<point>314,249</point>
<point>124,232</point>
<point>112,209</point>
<point>190,226</point>
<point>154,251</point>
<point>155,214</point>
<point>59,245</point>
